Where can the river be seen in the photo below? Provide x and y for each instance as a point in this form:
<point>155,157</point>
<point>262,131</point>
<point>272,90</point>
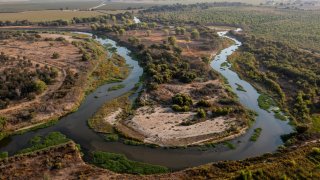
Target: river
<point>74,125</point>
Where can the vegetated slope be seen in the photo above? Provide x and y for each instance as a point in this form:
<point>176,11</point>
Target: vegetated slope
<point>297,27</point>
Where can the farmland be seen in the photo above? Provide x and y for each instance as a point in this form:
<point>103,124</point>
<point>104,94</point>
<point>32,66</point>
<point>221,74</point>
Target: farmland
<point>47,15</point>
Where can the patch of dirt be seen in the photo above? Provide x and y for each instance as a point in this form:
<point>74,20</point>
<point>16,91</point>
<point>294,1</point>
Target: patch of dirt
<point>163,127</point>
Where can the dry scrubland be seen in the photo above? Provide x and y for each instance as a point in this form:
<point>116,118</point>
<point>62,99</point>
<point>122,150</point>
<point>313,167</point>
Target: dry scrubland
<point>39,53</point>
<point>61,67</point>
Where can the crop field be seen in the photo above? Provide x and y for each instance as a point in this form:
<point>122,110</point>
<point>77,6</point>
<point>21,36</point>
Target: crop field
<point>19,7</point>
<point>47,15</point>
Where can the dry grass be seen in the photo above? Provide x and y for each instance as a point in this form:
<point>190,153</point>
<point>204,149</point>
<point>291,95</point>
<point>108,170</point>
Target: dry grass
<point>46,15</point>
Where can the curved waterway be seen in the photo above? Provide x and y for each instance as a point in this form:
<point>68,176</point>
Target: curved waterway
<point>74,126</point>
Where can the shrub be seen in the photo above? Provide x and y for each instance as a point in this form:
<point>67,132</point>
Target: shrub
<point>182,100</point>
<point>40,86</point>
<point>120,164</point>
<point>3,155</point>
<point>86,57</point>
<point>178,108</point>
<point>60,39</point>
<point>201,113</point>
<point>203,103</point>
<point>172,40</point>
<point>111,137</point>
<point>195,34</point>
<point>55,55</point>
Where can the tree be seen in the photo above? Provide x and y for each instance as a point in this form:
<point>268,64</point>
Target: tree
<point>182,100</point>
<point>201,113</point>
<point>122,32</point>
<point>86,57</point>
<point>40,86</point>
<point>114,19</point>
<point>195,34</point>
<point>172,40</point>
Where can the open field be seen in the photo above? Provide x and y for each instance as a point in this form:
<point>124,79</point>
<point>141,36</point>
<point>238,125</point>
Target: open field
<point>47,15</point>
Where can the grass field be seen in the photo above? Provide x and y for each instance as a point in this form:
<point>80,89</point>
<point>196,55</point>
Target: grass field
<point>47,15</point>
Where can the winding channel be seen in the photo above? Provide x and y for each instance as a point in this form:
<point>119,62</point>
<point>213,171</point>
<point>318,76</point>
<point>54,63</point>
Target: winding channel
<point>74,126</point>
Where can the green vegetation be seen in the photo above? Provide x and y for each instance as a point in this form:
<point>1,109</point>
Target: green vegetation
<point>224,65</point>
<point>201,113</point>
<point>120,164</point>
<point>111,137</point>
<point>3,155</point>
<point>116,87</point>
<point>280,116</point>
<point>293,163</point>
<point>114,69</point>
<point>315,123</point>
<point>98,123</point>
<point>229,145</point>
<point>132,142</point>
<point>182,100</point>
<point>181,103</point>
<point>38,142</point>
<point>256,134</point>
<point>297,27</point>
<point>265,102</point>
<point>240,88</point>
<point>3,122</point>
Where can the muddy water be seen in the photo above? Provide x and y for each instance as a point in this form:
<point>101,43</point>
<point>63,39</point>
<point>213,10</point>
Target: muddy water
<point>75,124</point>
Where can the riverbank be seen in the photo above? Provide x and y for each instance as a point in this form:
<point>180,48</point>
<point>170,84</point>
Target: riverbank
<point>66,159</point>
